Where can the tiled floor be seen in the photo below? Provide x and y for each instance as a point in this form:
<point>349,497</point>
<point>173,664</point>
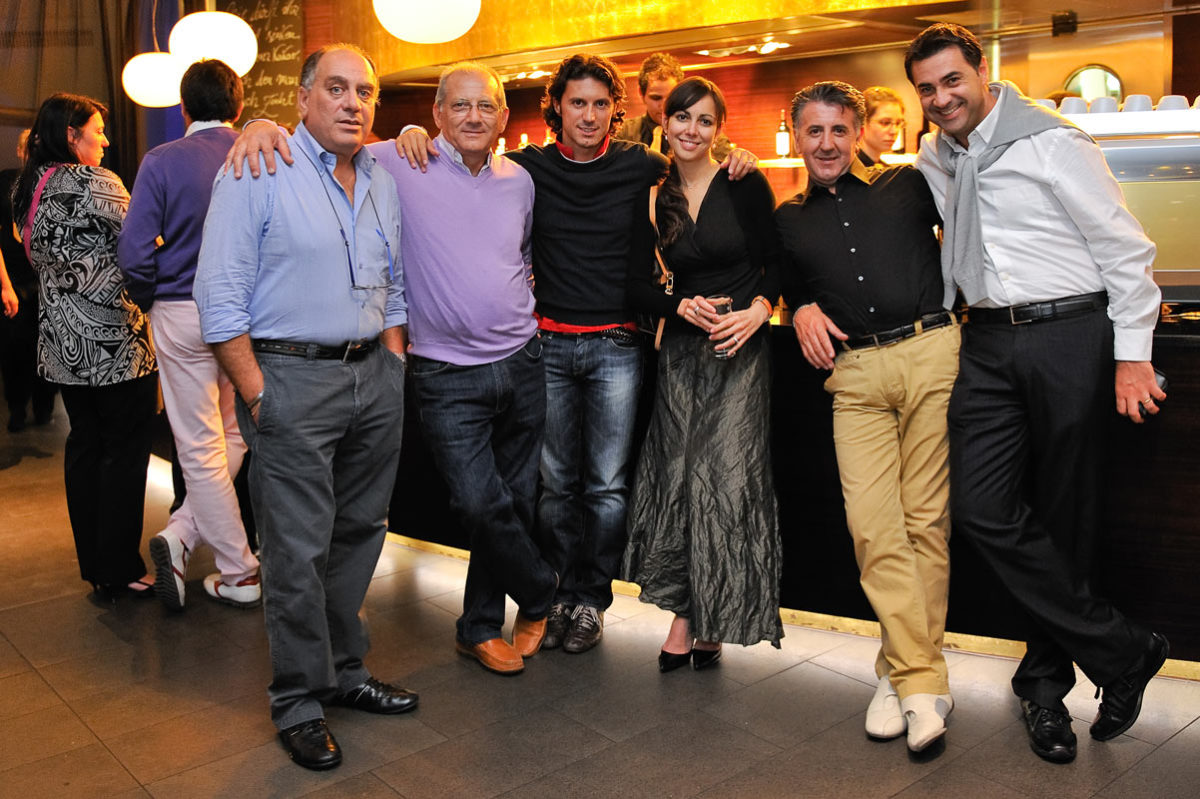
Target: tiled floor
<point>130,700</point>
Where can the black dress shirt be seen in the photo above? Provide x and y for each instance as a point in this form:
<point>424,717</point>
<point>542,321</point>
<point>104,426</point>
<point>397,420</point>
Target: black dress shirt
<point>867,254</point>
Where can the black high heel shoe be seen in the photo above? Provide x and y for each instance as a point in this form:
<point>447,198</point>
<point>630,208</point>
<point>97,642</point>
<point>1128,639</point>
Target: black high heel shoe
<point>669,661</point>
<point>703,658</point>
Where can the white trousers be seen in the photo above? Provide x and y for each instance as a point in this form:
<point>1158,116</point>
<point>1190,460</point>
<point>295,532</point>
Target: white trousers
<point>199,400</point>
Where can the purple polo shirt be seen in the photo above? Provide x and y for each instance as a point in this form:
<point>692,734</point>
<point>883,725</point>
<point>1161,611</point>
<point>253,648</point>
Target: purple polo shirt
<point>465,244</point>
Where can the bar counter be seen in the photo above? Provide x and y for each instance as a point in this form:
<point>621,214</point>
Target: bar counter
<point>1148,554</point>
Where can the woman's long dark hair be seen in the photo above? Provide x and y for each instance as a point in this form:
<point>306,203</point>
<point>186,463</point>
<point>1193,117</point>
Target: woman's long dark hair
<point>48,142</point>
<point>672,206</point>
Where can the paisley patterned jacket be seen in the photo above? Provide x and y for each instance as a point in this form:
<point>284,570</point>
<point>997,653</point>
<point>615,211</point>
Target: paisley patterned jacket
<point>89,331</point>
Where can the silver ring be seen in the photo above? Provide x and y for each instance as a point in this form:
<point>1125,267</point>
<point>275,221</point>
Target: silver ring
<point>735,340</point>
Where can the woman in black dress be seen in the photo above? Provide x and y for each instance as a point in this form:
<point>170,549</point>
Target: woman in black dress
<point>704,540</point>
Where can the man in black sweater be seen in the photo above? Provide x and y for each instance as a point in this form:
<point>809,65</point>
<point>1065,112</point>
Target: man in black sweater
<point>591,237</point>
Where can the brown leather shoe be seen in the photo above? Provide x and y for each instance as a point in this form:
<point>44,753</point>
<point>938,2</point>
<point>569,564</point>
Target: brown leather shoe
<point>495,654</point>
<point>528,636</point>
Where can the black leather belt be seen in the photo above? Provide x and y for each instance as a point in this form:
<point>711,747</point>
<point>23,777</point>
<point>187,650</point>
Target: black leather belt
<point>622,334</point>
<point>1039,311</point>
<point>350,351</point>
<point>930,321</point>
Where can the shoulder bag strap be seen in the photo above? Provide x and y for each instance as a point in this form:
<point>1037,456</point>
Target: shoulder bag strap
<point>27,233</point>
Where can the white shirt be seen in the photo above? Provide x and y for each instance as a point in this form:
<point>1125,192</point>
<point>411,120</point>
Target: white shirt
<point>1054,224</point>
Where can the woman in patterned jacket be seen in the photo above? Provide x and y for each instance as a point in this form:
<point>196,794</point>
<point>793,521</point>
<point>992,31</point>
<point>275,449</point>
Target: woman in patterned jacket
<point>92,340</point>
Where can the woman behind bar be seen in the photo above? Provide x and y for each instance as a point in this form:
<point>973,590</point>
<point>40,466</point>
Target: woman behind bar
<point>885,120</point>
<point>92,340</point>
<point>704,541</point>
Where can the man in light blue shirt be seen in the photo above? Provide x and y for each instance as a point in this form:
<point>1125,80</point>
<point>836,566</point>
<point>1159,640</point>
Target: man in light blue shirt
<point>299,282</point>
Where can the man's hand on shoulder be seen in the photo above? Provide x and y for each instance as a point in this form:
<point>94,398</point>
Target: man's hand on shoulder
<point>813,329</point>
<point>414,145</point>
<point>740,163</point>
<point>259,136</point>
<point>1136,383</point>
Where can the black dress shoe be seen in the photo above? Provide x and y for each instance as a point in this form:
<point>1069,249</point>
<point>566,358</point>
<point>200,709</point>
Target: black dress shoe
<point>374,696</point>
<point>1123,697</point>
<point>587,628</point>
<point>310,744</point>
<point>669,661</point>
<point>558,622</point>
<point>703,658</point>
<point>1050,735</point>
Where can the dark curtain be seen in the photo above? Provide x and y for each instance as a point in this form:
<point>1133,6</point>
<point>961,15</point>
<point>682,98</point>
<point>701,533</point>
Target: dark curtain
<point>118,23</point>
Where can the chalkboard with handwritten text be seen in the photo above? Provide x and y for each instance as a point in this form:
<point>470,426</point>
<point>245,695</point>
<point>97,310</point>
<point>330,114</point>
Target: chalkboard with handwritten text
<point>270,85</point>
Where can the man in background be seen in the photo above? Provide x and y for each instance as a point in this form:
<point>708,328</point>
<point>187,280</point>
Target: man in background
<point>658,76</point>
<point>158,249</point>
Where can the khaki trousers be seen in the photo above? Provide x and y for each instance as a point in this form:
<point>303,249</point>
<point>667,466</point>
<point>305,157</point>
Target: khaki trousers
<point>889,428</point>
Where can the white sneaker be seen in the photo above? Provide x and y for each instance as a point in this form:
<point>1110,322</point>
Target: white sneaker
<point>246,593</point>
<point>885,720</point>
<point>170,557</point>
<point>925,715</point>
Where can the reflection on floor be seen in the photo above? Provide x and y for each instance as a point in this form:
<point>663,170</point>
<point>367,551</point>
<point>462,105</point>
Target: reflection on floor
<point>130,700</point>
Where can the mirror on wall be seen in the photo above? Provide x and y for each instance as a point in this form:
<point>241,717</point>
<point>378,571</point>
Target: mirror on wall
<point>1092,81</point>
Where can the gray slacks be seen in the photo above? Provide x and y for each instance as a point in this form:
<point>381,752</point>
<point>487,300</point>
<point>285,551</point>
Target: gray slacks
<point>325,450</point>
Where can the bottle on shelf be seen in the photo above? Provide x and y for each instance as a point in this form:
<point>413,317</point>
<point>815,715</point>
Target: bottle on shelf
<point>783,139</point>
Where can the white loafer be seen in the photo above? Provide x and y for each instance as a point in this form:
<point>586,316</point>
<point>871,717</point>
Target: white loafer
<point>885,720</point>
<point>925,715</point>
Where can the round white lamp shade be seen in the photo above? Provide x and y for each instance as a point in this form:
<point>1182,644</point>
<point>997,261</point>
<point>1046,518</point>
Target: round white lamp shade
<point>152,79</point>
<point>215,34</point>
<point>425,23</point>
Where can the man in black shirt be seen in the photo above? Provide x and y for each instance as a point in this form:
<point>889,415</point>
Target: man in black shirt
<point>660,73</point>
<point>863,267</point>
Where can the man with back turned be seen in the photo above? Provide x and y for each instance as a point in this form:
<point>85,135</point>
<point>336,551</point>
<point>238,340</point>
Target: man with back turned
<point>1063,306</point>
<point>299,284</point>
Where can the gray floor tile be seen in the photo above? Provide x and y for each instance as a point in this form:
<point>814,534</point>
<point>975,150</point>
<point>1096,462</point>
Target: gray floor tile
<point>25,693</point>
<point>41,734</point>
<point>794,705</point>
<point>621,709</point>
<point>1007,759</point>
<point>362,786</point>
<point>955,779</point>
<point>840,762</point>
<point>132,707</point>
<point>494,759</point>
<point>88,772</point>
<point>680,757</point>
<point>178,744</point>
<point>11,661</point>
<point>1170,772</point>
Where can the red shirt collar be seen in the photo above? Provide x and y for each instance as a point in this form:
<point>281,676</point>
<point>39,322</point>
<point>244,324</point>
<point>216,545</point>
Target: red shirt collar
<point>570,153</point>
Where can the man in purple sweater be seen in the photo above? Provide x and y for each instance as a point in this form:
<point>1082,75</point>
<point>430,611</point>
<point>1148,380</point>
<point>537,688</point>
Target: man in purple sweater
<point>476,367</point>
<point>158,248</point>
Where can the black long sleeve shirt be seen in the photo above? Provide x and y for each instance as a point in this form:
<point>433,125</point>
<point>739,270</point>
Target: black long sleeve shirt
<point>867,254</point>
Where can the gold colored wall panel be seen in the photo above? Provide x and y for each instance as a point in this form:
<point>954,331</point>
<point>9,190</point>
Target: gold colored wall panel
<point>506,27</point>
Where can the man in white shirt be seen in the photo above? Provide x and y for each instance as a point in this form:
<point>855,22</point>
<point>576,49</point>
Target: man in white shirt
<point>1063,305</point>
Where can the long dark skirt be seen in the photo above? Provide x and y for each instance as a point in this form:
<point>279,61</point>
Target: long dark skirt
<point>703,529</point>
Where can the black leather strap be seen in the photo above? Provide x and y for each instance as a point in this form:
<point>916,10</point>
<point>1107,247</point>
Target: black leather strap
<point>927,322</point>
<point>1039,311</point>
<point>350,351</point>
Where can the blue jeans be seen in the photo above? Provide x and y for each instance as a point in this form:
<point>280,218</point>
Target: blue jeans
<point>484,427</point>
<point>592,386</point>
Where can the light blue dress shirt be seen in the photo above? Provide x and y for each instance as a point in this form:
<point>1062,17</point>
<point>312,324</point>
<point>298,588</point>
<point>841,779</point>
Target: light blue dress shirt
<point>288,257</point>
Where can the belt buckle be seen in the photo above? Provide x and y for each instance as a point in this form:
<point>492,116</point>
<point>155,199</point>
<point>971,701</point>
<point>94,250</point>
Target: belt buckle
<point>1013,318</point>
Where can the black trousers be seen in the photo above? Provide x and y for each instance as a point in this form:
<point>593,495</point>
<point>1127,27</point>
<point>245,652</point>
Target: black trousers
<point>107,452</point>
<point>1026,424</point>
<point>18,360</point>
